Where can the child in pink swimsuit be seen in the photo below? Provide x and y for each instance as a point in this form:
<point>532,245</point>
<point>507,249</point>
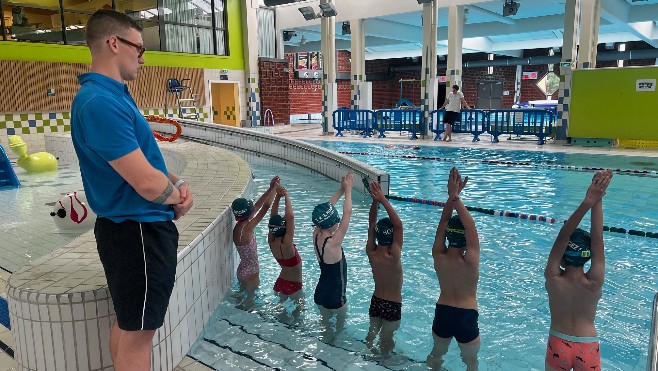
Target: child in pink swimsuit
<point>248,215</point>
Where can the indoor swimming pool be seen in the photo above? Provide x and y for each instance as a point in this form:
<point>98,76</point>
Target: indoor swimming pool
<point>513,304</point>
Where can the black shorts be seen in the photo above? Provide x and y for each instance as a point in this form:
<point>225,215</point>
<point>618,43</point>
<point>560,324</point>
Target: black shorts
<point>458,322</point>
<point>140,266</point>
<point>385,309</point>
<point>450,117</point>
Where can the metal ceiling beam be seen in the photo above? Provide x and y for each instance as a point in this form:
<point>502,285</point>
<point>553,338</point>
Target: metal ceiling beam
<point>497,16</point>
<point>619,11</point>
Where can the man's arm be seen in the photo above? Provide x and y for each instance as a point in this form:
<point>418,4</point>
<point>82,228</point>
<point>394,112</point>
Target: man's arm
<point>596,271</point>
<point>444,105</point>
<point>464,103</point>
<point>185,193</point>
<point>472,239</point>
<point>439,246</point>
<point>372,221</point>
<point>147,181</point>
<point>290,219</point>
<point>398,231</point>
<point>346,185</point>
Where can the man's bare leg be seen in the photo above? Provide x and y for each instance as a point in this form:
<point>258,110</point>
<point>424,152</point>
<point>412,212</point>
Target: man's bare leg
<point>435,358</point>
<point>386,341</point>
<point>375,326</point>
<point>133,350</point>
<point>469,354</point>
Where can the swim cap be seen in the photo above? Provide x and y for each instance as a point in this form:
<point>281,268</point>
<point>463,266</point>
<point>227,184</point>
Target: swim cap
<point>277,226</point>
<point>578,249</point>
<point>242,208</point>
<point>456,233</point>
<point>325,215</point>
<point>384,232</point>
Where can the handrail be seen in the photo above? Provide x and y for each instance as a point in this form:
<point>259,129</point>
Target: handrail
<point>652,359</point>
<point>268,117</point>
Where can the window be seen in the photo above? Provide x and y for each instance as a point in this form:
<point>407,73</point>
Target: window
<point>188,26</point>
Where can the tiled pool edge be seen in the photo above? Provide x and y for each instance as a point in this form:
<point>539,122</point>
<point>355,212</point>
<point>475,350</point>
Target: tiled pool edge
<point>67,327</point>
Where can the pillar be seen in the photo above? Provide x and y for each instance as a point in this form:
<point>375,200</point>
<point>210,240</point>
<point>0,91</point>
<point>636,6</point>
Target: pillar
<point>567,64</point>
<point>590,17</point>
<point>329,86</point>
<point>428,81</point>
<point>361,93</point>
<point>250,42</point>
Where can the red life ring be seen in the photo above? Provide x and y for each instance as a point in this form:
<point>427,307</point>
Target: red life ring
<point>164,120</point>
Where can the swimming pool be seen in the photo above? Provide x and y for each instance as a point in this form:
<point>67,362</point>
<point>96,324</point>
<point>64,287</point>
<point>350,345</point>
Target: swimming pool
<point>513,305</point>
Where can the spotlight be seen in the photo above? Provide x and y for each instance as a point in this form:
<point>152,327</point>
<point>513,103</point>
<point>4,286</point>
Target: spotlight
<point>328,10</point>
<point>425,1</point>
<point>279,2</point>
<point>308,13</point>
<point>288,35</point>
<point>346,29</point>
<point>510,8</point>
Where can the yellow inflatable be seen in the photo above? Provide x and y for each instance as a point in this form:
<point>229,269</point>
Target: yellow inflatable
<point>35,163</point>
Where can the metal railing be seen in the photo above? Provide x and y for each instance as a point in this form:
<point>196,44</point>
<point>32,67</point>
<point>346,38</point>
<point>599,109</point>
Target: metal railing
<point>652,360</point>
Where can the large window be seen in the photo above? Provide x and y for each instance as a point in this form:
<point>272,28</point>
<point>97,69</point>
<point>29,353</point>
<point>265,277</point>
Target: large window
<point>187,26</point>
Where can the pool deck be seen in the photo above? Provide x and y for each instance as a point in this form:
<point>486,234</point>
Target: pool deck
<point>314,132</point>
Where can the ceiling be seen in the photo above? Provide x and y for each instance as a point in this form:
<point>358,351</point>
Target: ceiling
<point>394,29</point>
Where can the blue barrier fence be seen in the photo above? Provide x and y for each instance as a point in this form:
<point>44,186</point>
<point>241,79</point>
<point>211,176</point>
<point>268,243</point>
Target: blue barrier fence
<point>409,120</point>
<point>471,121</point>
<point>532,121</point>
<point>537,121</point>
<point>358,120</point>
<point>4,313</point>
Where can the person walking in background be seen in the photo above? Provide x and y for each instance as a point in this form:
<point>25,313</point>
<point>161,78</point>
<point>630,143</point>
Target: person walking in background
<point>280,239</point>
<point>328,238</point>
<point>128,187</point>
<point>384,250</point>
<point>457,267</point>
<point>574,294</point>
<point>453,105</point>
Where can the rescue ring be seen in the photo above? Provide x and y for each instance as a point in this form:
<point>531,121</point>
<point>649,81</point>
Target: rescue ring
<point>164,120</point>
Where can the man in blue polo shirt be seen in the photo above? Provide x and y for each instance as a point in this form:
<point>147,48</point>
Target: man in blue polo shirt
<point>128,187</point>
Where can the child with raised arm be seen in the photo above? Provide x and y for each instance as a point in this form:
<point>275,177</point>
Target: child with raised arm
<point>248,215</point>
<point>457,267</point>
<point>328,237</point>
<point>280,239</point>
<point>574,294</point>
<point>384,249</point>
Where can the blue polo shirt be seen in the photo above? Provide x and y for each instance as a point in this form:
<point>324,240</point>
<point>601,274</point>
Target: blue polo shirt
<point>106,125</point>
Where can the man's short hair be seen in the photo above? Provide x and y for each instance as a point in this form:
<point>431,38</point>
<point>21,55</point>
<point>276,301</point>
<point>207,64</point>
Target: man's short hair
<point>456,87</point>
<point>107,22</point>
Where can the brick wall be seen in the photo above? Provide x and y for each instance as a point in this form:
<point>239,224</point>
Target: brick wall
<point>274,90</point>
<point>306,94</point>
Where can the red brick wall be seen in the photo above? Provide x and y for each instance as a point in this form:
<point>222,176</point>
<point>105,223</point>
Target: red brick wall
<point>306,94</point>
<point>274,90</point>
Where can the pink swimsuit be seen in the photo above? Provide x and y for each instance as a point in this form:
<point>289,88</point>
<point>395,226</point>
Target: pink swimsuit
<point>248,260</point>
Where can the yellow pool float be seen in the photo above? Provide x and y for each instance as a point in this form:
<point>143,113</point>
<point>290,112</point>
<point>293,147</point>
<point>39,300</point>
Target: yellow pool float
<point>35,163</point>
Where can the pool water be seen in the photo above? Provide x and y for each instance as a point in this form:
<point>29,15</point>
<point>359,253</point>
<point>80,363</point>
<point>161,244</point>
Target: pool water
<point>513,304</point>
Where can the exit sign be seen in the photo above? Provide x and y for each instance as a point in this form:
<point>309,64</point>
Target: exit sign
<point>565,64</point>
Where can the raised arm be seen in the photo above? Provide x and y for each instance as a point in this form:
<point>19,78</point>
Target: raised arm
<point>398,231</point>
<point>269,194</point>
<point>455,186</point>
<point>596,271</point>
<point>372,222</point>
<point>471,233</point>
<point>346,185</point>
<point>595,191</point>
<point>338,194</point>
<point>277,198</point>
<point>290,219</point>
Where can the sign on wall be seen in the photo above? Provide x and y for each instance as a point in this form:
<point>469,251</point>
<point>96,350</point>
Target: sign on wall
<point>530,76</point>
<point>441,78</point>
<point>645,85</point>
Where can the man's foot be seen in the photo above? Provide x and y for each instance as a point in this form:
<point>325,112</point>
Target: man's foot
<point>449,140</point>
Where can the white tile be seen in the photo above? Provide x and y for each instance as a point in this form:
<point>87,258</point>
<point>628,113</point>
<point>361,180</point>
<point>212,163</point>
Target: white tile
<point>102,308</point>
<point>38,346</point>
<point>30,346</point>
<point>105,325</point>
<point>93,344</point>
<point>48,350</point>
<point>58,346</point>
<point>69,345</point>
<point>79,312</point>
<point>81,345</point>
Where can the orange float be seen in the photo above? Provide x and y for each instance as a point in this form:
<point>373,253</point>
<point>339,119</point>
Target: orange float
<point>164,120</point>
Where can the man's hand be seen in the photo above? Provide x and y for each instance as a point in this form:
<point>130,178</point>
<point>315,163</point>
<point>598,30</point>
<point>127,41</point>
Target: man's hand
<point>347,181</point>
<point>376,192</point>
<point>182,208</point>
<point>455,183</point>
<point>599,185</point>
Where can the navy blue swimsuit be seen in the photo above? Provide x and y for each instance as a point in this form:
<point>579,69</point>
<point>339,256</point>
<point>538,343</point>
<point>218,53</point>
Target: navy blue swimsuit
<point>330,291</point>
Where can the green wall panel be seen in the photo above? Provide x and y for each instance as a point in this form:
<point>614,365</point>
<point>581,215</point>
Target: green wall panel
<point>605,104</point>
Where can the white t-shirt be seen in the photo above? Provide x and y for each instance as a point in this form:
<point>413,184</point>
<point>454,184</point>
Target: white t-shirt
<point>454,101</point>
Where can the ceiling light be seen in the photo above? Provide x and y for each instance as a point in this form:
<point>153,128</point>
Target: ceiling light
<point>425,1</point>
<point>308,13</point>
<point>328,10</point>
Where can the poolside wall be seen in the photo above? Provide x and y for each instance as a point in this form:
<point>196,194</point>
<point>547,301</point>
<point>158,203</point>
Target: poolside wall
<point>61,311</point>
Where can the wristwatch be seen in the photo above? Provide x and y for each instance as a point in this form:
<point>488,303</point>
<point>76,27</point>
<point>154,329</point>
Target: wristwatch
<point>179,183</point>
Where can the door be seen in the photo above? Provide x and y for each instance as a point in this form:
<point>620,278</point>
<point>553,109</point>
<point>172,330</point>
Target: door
<point>225,102</point>
<point>490,95</point>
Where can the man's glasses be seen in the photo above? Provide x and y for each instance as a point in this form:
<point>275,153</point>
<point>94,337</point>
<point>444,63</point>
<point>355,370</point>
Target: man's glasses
<point>140,49</point>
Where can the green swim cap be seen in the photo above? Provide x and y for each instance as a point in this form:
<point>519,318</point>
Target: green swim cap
<point>277,226</point>
<point>325,215</point>
<point>456,233</point>
<point>242,208</point>
<point>384,232</point>
<point>578,250</point>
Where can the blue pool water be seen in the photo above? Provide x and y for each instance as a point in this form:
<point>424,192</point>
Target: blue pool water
<point>513,305</point>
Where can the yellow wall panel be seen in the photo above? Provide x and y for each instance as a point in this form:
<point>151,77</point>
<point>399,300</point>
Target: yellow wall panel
<point>605,104</point>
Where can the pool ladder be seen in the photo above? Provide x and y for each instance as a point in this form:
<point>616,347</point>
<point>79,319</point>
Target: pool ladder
<point>652,361</point>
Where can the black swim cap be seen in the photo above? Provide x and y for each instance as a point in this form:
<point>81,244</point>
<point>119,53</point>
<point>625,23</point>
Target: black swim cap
<point>578,250</point>
<point>384,232</point>
<point>456,233</point>
<point>277,226</point>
